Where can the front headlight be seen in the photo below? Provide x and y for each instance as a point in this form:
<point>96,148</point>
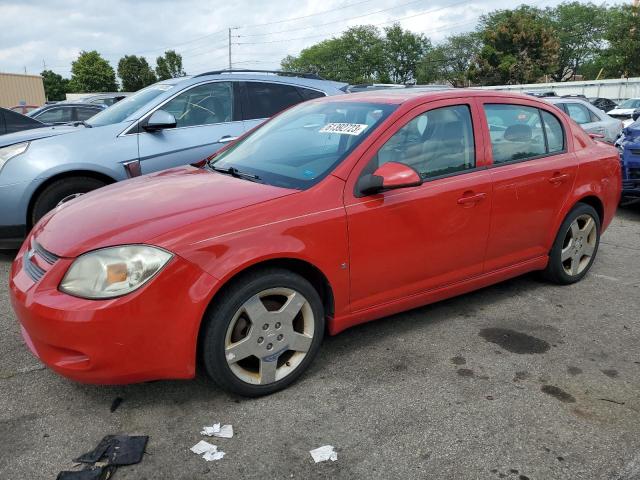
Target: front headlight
<point>114,271</point>
<point>7,153</point>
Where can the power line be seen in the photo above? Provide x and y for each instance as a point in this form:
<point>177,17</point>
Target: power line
<point>332,22</point>
<point>375,24</point>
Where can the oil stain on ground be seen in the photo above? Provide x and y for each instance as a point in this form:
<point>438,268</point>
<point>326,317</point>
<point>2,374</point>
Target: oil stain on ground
<point>459,360</point>
<point>515,342</point>
<point>558,393</point>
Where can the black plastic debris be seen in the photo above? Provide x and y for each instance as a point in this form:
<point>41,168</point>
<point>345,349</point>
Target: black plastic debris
<point>89,473</point>
<point>117,450</point>
<point>116,403</point>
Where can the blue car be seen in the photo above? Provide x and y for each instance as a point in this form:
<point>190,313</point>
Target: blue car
<point>629,146</point>
<point>173,122</point>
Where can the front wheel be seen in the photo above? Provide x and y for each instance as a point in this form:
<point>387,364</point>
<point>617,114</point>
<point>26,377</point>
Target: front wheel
<point>60,191</point>
<point>263,333</point>
<point>575,247</point>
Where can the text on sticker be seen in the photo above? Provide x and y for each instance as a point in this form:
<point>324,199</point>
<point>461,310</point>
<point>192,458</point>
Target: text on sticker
<point>344,128</point>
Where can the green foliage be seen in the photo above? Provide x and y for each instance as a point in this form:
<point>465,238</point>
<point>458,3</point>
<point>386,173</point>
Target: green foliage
<point>519,46</point>
<point>580,29</point>
<point>135,73</point>
<point>92,73</point>
<point>403,50</point>
<point>55,87</point>
<point>169,65</point>
<point>622,57</point>
<point>450,61</point>
<point>357,56</point>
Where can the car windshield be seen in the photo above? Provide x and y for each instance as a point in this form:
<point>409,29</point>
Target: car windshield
<point>121,110</point>
<point>303,145</point>
<point>630,103</point>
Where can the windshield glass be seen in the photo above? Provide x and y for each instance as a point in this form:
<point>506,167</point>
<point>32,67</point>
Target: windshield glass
<point>300,147</point>
<point>121,110</point>
<point>630,103</point>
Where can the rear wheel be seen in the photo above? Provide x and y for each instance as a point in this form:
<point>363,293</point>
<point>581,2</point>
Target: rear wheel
<point>60,191</point>
<point>263,333</point>
<point>575,247</point>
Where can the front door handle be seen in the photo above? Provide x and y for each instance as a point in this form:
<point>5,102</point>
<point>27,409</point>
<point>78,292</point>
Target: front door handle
<point>227,139</point>
<point>470,198</point>
<point>558,178</point>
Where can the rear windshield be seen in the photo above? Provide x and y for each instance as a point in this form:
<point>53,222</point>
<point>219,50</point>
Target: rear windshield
<point>630,103</point>
<point>304,144</point>
<point>121,110</point>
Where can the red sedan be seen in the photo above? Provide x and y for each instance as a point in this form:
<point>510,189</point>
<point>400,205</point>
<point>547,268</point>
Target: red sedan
<point>336,212</point>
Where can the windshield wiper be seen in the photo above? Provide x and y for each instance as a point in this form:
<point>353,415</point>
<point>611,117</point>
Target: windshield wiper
<point>75,123</point>
<point>234,172</point>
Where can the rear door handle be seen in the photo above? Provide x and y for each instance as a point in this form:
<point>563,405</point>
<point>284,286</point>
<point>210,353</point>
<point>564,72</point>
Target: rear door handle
<point>471,198</point>
<point>226,139</point>
<point>558,178</point>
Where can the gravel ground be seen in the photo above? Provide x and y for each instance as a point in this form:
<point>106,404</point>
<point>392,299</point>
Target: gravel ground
<point>424,394</point>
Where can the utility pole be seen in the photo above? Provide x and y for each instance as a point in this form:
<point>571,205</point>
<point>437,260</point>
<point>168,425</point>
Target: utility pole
<point>230,64</point>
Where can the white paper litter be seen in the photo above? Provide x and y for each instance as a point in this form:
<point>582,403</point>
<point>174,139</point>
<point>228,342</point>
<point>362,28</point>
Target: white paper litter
<point>324,453</point>
<point>211,456</point>
<point>208,451</point>
<point>202,447</point>
<point>215,430</point>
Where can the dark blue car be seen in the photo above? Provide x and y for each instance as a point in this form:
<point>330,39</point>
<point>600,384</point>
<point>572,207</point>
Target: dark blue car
<point>629,146</point>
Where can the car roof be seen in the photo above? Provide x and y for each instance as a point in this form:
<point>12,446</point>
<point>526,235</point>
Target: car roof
<point>417,95</point>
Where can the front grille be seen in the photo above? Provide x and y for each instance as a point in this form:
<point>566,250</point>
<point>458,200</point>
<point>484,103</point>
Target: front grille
<point>621,117</point>
<point>634,173</point>
<point>635,151</point>
<point>35,268</point>
<point>48,257</point>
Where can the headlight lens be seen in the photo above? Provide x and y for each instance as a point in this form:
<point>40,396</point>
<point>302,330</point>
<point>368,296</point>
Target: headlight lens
<point>114,271</point>
<point>7,153</point>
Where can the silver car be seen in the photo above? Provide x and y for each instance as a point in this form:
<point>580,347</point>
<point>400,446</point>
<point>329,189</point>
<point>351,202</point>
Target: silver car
<point>589,117</point>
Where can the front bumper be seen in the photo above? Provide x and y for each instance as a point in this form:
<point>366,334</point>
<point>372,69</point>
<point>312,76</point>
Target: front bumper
<point>149,334</point>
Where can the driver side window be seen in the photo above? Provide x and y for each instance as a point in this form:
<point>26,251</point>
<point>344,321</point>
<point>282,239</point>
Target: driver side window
<point>436,143</point>
<point>202,105</point>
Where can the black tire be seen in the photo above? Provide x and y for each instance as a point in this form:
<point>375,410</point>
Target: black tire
<point>555,271</point>
<point>220,315</point>
<point>53,194</point>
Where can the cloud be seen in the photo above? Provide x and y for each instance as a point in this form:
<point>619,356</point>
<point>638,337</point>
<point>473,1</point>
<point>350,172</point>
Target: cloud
<point>55,31</point>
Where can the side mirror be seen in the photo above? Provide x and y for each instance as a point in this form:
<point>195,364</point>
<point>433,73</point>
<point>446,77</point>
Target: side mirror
<point>390,176</point>
<point>159,120</point>
<point>636,114</point>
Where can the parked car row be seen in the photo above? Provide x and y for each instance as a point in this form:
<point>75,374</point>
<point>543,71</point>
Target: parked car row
<point>340,210</point>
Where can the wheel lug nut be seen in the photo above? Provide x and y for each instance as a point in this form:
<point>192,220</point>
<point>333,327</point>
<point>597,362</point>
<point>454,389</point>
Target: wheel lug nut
<point>278,325</point>
<point>260,340</point>
<point>280,337</point>
<point>265,326</point>
<point>269,346</point>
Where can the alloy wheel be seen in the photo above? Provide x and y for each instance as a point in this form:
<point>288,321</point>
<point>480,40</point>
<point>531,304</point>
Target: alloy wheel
<point>579,245</point>
<point>269,336</point>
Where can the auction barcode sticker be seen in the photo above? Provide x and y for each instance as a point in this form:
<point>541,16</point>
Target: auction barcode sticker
<point>344,128</point>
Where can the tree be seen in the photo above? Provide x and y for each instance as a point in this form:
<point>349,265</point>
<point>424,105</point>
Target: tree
<point>135,73</point>
<point>450,61</point>
<point>403,50</point>
<point>622,33</point>
<point>357,56</point>
<point>519,46</point>
<point>92,73</point>
<point>55,87</point>
<point>169,65</point>
<point>580,29</point>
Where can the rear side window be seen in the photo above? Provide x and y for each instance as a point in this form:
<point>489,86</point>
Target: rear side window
<point>15,122</point>
<point>267,99</point>
<point>579,113</point>
<point>554,132</point>
<point>436,143</point>
<point>84,113</point>
<point>516,132</point>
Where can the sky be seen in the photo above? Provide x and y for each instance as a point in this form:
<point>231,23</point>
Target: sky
<point>51,33</point>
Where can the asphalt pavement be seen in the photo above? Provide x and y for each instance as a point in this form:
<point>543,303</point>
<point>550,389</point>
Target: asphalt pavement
<point>521,380</point>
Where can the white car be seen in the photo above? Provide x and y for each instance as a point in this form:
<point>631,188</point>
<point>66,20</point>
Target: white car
<point>590,118</point>
<point>624,111</point>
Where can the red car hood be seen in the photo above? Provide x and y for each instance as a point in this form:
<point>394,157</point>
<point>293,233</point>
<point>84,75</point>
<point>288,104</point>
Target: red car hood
<point>136,211</point>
